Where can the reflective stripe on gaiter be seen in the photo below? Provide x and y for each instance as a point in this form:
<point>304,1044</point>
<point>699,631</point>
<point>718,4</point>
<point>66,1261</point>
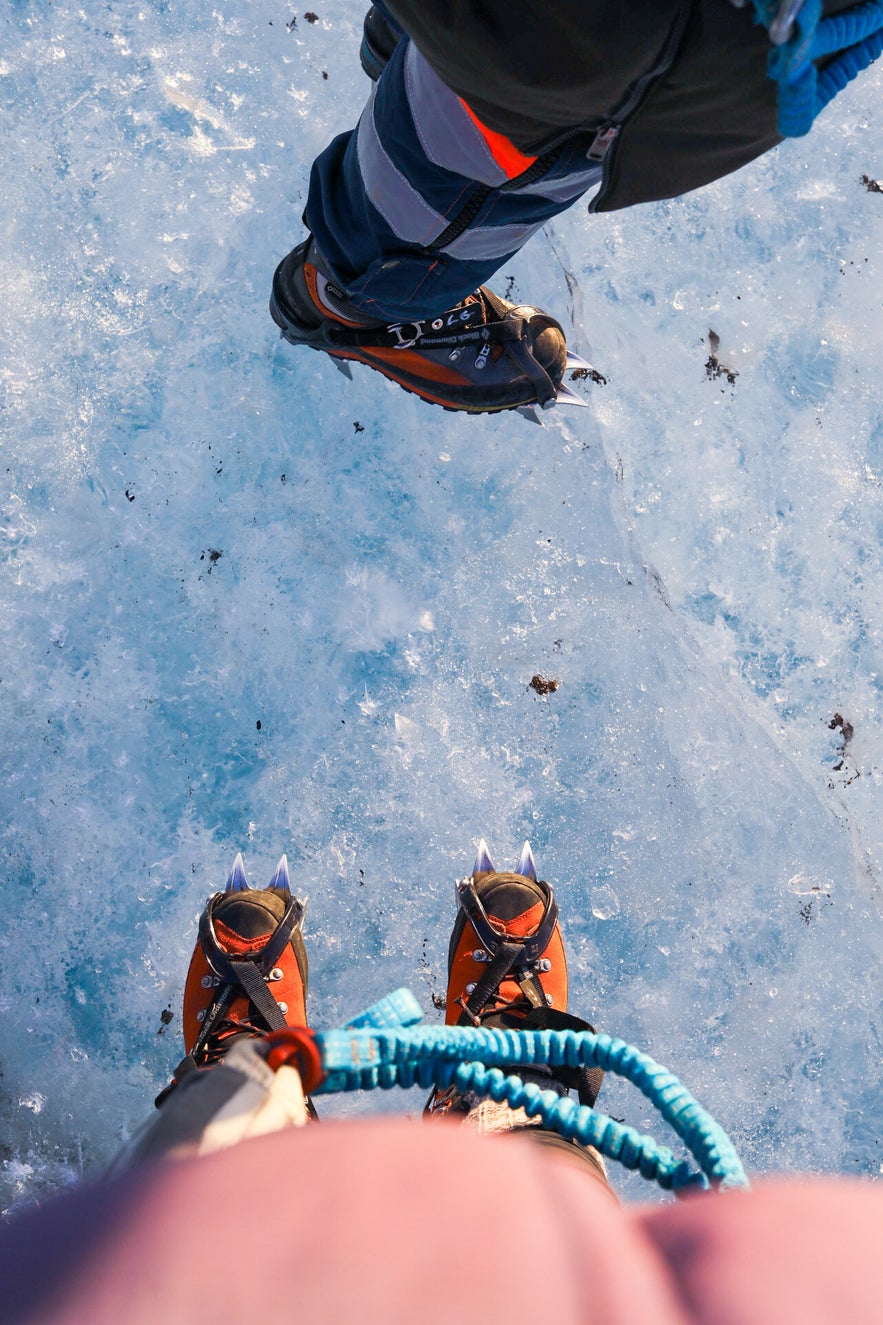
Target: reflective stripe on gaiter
<point>490,241</point>
<point>566,187</point>
<point>448,134</point>
<point>401,206</point>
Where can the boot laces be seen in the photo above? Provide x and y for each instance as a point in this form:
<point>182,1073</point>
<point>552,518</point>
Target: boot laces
<point>230,1027</point>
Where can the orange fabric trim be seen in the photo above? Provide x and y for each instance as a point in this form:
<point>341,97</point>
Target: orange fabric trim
<point>408,383</point>
<point>504,152</point>
<point>407,359</point>
<point>521,926</point>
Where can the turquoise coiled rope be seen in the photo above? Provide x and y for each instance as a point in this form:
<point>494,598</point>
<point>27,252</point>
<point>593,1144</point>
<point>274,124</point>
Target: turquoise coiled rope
<point>365,1057</point>
<point>854,36</point>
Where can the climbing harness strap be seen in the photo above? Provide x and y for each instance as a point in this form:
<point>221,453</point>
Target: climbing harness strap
<point>801,36</point>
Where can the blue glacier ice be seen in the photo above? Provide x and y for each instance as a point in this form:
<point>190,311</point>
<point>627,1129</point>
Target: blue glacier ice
<point>246,605</point>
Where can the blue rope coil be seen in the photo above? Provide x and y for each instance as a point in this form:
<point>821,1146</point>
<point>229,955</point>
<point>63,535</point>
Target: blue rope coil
<point>803,36</point>
<point>373,1052</point>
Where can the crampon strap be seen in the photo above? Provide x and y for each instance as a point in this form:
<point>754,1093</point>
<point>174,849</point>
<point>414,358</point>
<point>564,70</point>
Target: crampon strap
<point>407,335</point>
<point>512,957</point>
<point>454,331</point>
<point>384,1047</point>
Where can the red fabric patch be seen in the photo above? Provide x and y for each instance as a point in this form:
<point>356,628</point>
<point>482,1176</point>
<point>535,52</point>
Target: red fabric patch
<point>232,942</point>
<point>505,153</point>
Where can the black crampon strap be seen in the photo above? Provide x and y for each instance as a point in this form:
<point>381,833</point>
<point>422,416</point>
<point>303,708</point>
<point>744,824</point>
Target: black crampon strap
<point>586,1081</point>
<point>531,947</point>
<point>434,334</point>
<point>505,957</point>
<point>259,994</point>
<point>510,955</point>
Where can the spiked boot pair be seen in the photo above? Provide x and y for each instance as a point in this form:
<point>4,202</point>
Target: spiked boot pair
<point>249,971</point>
<point>507,968</point>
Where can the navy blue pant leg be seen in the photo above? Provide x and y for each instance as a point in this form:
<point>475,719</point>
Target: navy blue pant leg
<point>413,209</point>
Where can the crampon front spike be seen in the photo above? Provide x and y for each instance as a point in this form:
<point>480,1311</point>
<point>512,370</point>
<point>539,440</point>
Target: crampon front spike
<point>280,880</point>
<point>576,361</point>
<point>483,863</point>
<point>526,867</point>
<point>567,397</point>
<point>236,880</point>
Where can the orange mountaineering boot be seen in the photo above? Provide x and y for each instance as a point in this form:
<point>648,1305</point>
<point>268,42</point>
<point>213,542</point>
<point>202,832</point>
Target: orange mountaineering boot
<point>249,970</point>
<point>507,969</point>
<point>506,954</point>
